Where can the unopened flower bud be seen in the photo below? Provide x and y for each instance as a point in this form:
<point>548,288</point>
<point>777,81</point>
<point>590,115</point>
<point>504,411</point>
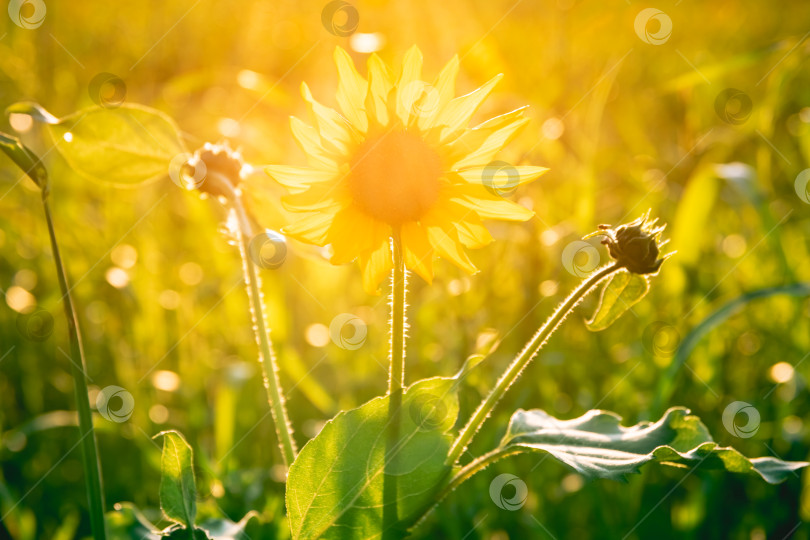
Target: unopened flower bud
<point>220,164</point>
<point>635,246</point>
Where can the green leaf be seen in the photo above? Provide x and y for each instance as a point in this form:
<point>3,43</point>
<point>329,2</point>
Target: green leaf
<point>622,291</point>
<point>126,145</point>
<point>25,160</point>
<point>126,522</point>
<point>178,490</point>
<point>225,529</point>
<point>181,533</point>
<point>335,486</point>
<point>596,445</point>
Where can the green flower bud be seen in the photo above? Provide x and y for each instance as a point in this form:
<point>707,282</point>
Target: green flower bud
<point>635,245</point>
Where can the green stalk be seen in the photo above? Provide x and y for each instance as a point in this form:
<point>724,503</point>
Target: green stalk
<point>522,360</point>
<point>92,468</point>
<point>396,387</point>
<point>272,384</point>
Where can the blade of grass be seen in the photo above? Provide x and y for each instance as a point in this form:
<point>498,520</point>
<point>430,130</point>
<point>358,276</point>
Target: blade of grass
<point>92,468</point>
<point>667,382</point>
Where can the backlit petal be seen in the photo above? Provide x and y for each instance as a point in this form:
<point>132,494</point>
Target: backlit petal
<point>444,239</point>
<point>478,146</point>
<point>353,233</point>
<point>380,84</point>
<point>409,87</point>
<point>457,113</point>
<point>310,228</point>
<point>351,92</point>
<point>375,267</point>
<point>299,178</point>
<point>488,205</point>
<point>500,177</point>
<point>417,251</point>
<point>310,142</point>
<point>335,131</point>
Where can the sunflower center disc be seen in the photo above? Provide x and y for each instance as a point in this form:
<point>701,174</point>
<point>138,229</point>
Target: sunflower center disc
<point>395,177</point>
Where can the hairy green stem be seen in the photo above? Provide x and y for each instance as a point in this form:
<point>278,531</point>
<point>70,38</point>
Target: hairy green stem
<point>267,358</point>
<point>395,386</point>
<point>90,463</point>
<point>522,360</point>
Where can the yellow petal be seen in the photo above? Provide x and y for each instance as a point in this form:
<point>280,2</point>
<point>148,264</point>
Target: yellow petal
<point>311,228</point>
<point>408,85</point>
<point>457,113</point>
<point>495,207</point>
<point>375,267</point>
<point>353,233</point>
<point>335,132</point>
<point>501,177</point>
<point>445,82</point>
<point>351,92</point>
<point>478,146</point>
<point>328,197</point>
<point>443,87</point>
<point>310,142</point>
<point>444,239</point>
<point>416,250</point>
<point>380,84</point>
<point>299,178</point>
<point>471,232</point>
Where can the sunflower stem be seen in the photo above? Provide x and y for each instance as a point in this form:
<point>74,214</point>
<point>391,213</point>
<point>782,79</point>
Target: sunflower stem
<point>272,384</point>
<point>395,386</point>
<point>523,359</point>
<point>90,463</point>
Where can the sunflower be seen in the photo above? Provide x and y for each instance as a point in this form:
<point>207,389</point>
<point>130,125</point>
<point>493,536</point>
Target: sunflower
<point>400,162</point>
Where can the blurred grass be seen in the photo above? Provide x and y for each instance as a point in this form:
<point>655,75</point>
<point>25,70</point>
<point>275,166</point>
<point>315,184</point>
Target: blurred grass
<point>639,130</point>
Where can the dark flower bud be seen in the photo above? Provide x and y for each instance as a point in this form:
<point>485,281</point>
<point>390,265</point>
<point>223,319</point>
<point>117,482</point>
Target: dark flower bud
<point>635,245</point>
<point>218,168</point>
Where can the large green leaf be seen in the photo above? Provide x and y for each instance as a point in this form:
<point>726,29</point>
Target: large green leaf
<point>127,522</point>
<point>335,486</point>
<point>25,160</point>
<point>178,489</point>
<point>622,291</point>
<point>596,445</point>
<point>125,145</point>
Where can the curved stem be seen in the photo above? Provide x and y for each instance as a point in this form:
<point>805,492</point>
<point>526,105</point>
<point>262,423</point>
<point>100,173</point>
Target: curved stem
<point>272,384</point>
<point>522,360</point>
<point>92,467</point>
<point>396,385</point>
<point>477,465</point>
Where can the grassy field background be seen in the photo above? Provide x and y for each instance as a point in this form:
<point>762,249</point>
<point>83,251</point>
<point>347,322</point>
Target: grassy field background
<point>623,124</point>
